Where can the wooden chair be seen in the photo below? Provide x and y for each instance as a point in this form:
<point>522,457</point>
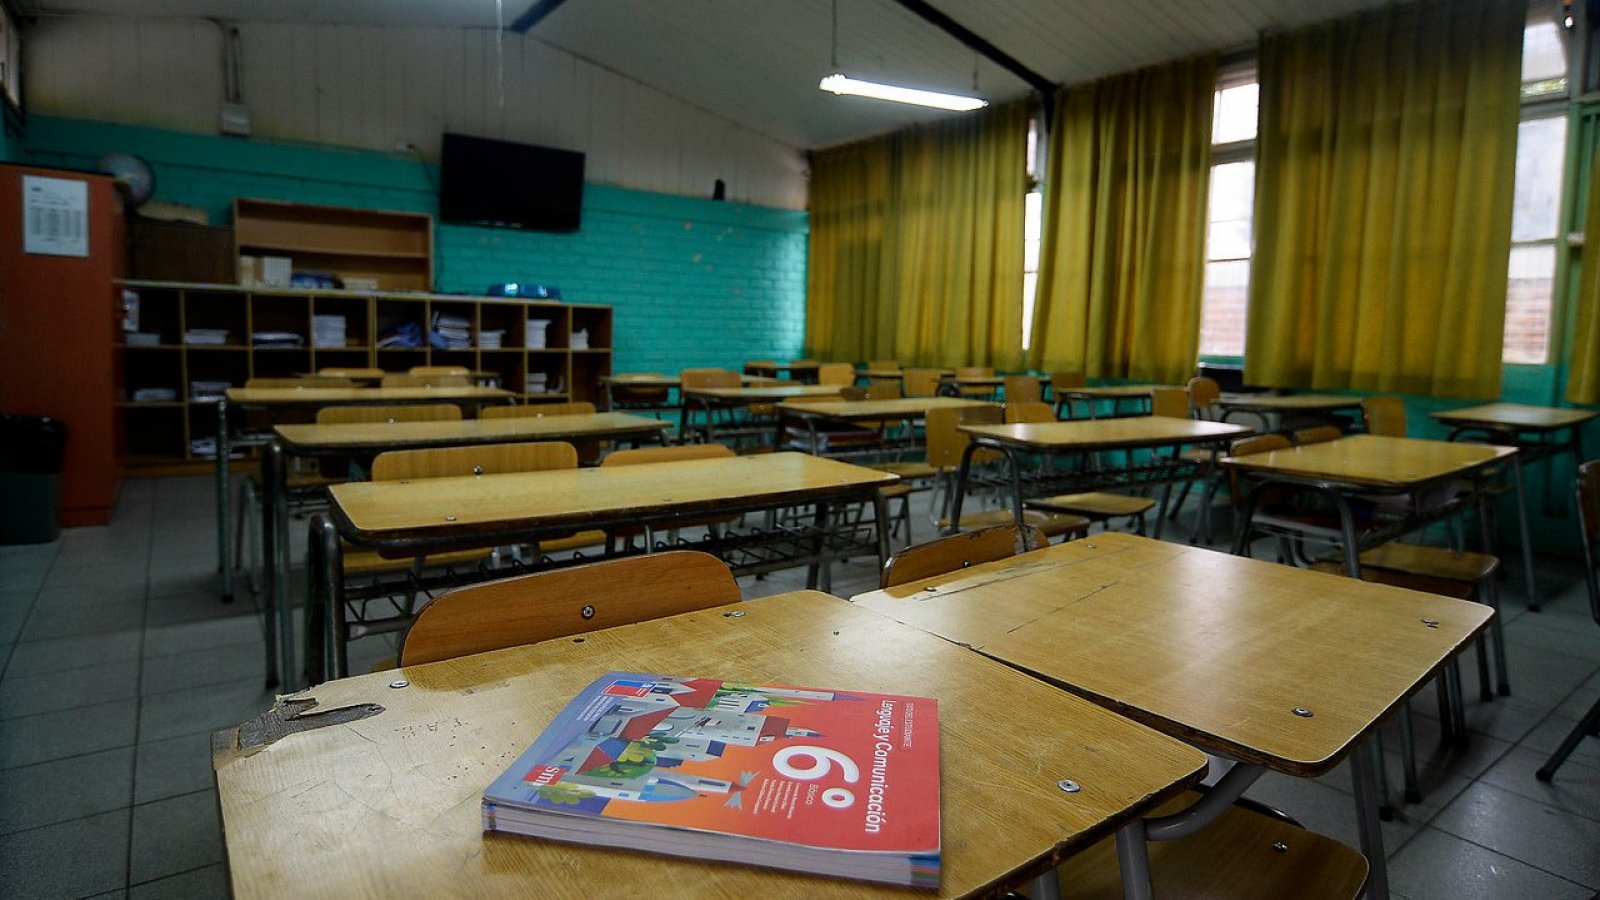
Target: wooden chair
<point>920,382</point>
<point>1096,506</point>
<point>675,453</point>
<point>1062,386</point>
<point>946,445</point>
<point>425,381</point>
<point>1317,434</point>
<point>1384,415</point>
<point>539,410</point>
<point>316,381</point>
<point>629,396</point>
<point>948,554</point>
<point>1170,402</point>
<point>563,602</point>
<point>695,379</point>
<point>1023,389</point>
<point>975,390</point>
<point>1588,491</point>
<point>439,370</point>
<point>836,374</point>
<point>1204,394</point>
<point>759,367</point>
<point>883,390</point>
<point>351,373</point>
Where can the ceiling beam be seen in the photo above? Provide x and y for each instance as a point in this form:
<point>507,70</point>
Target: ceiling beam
<point>534,15</point>
<point>967,37</point>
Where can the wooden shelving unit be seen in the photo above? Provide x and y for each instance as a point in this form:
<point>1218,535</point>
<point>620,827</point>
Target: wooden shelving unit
<point>160,434</point>
<point>394,248</point>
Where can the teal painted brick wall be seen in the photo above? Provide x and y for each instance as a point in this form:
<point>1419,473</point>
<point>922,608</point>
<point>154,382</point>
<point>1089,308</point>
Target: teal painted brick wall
<point>694,282</point>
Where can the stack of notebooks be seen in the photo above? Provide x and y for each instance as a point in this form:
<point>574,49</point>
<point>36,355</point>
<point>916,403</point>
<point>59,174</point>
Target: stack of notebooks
<point>155,395</point>
<point>827,782</point>
<point>206,336</point>
<point>491,340</point>
<point>279,339</point>
<point>327,331</point>
<point>451,332</point>
<point>207,391</point>
<point>580,339</point>
<point>538,382</point>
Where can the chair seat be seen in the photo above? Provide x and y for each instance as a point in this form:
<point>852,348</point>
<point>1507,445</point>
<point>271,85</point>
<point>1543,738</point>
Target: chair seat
<point>1443,587</point>
<point>591,538</point>
<point>1095,504</point>
<point>1432,562</point>
<point>369,562</point>
<point>896,490</point>
<point>905,469</point>
<point>1235,856</point>
<point>1049,524</point>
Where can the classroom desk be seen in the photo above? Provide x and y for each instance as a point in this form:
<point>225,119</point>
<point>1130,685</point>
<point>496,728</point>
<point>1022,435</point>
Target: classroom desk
<point>1091,436</point>
<point>668,384</point>
<point>910,410</point>
<point>387,805</point>
<point>368,440</point>
<point>1277,667</point>
<point>799,370</point>
<point>709,400</point>
<point>435,515</point>
<point>1264,406</point>
<point>246,399</point>
<point>1536,433</point>
<point>1116,393</point>
<point>951,385</point>
<point>1425,473</point>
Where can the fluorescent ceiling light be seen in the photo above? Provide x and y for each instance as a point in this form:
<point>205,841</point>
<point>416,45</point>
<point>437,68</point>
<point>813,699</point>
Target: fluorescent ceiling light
<point>839,84</point>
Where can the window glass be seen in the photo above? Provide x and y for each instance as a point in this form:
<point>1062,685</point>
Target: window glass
<point>1529,297</point>
<point>1033,211</point>
<point>1541,149</point>
<point>1234,113</point>
<point>1222,322</point>
<point>1544,55</point>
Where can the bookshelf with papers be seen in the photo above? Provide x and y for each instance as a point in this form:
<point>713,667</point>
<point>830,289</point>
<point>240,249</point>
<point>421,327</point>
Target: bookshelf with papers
<point>194,341</point>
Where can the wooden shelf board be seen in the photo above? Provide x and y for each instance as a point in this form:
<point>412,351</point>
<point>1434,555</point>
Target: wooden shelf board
<point>274,248</point>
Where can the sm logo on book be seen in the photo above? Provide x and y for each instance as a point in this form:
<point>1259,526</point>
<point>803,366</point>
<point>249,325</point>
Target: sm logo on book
<point>624,688</point>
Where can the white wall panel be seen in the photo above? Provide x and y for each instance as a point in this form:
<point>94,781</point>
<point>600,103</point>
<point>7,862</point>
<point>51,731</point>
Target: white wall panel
<point>378,88</point>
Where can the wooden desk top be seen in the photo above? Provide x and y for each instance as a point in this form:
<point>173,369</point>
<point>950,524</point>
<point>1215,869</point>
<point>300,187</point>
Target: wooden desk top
<point>1115,391</point>
<point>1095,434</point>
<point>671,381</point>
<point>977,380</point>
<point>388,805</point>
<point>379,512</point>
<point>767,391</point>
<point>1290,402</point>
<point>792,366</point>
<point>307,439</point>
<point>314,397</point>
<point>1517,417</point>
<point>1216,649</point>
<point>903,408</point>
<point>1373,461</point>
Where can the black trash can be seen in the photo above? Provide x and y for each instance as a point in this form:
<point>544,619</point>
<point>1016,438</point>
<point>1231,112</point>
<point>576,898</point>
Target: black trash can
<point>31,449</point>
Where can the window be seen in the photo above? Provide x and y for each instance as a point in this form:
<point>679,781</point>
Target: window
<point>1033,217</point>
<point>1536,209</point>
<point>1229,217</point>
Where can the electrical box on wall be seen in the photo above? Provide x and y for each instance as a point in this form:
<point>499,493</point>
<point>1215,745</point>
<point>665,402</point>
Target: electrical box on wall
<point>234,120</point>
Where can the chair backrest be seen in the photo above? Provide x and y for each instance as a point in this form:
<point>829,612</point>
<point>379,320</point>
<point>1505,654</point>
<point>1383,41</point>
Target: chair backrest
<point>1317,434</point>
<point>1022,389</point>
<point>1066,381</point>
<point>674,453</point>
<point>1384,415</point>
<point>974,371</point>
<point>1203,395</point>
<point>440,370</point>
<point>883,390</point>
<point>959,551</point>
<point>1169,401</point>
<point>946,442</point>
<point>368,415</point>
<point>708,378</point>
<point>622,392</point>
<point>336,372</point>
<point>538,410</point>
<point>1261,443</point>
<point>425,381</point>
<point>484,459</point>
<point>920,382</point>
<point>568,601</point>
<point>1029,411</point>
<point>836,373</point>
<point>317,381</point>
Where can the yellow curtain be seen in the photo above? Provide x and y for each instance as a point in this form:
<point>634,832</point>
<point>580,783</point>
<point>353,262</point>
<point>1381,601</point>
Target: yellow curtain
<point>1383,200</point>
<point>1123,261</point>
<point>1583,361</point>
<point>916,244</point>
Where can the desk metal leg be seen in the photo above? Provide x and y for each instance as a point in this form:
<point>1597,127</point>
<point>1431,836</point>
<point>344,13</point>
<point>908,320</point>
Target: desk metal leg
<point>1527,535</point>
<point>1363,775</point>
<point>958,494</point>
<point>1133,859</point>
<point>880,513</point>
<point>224,522</point>
<point>270,575</point>
<point>1046,887</point>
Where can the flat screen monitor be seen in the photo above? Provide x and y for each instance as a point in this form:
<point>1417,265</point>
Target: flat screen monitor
<point>488,182</point>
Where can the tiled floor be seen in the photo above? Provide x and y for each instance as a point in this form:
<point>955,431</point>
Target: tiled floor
<point>117,661</point>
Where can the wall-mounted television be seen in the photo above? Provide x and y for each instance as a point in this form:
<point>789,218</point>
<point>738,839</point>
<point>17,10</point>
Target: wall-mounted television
<point>488,182</point>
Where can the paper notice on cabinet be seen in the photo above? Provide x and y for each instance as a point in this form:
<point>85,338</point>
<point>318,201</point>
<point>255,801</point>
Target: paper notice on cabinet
<point>55,216</point>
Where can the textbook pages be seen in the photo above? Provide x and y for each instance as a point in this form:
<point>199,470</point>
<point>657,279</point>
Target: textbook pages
<point>841,783</point>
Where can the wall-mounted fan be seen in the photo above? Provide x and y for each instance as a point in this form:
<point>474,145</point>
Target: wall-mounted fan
<point>134,176</point>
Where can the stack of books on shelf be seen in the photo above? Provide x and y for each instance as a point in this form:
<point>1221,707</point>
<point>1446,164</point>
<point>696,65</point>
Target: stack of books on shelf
<point>207,391</point>
<point>206,336</point>
<point>155,395</point>
<point>539,383</point>
<point>491,340</point>
<point>142,338</point>
<point>579,340</point>
<point>327,331</point>
<point>402,334</point>
<point>280,339</point>
<point>451,332</point>
<point>206,447</point>
<point>535,332</point>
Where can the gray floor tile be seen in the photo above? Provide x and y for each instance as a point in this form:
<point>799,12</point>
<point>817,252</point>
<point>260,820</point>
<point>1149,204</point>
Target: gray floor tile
<point>65,789</point>
<point>167,768</point>
<point>175,835</point>
<point>1575,788</point>
<point>61,654</point>
<point>72,859</point>
<point>1331,812</point>
<point>191,607</point>
<point>1545,738</point>
<point>50,621</point>
<point>111,592</point>
<point>1582,700</point>
<point>209,883</point>
<point>1439,866</point>
<point>26,695</point>
<point>14,609</point>
<point>1544,677</point>
<point>1537,631</point>
<point>202,709</point>
<point>41,738</point>
<point>208,665</point>
<point>241,628</point>
<point>1525,830</point>
<point>1506,718</point>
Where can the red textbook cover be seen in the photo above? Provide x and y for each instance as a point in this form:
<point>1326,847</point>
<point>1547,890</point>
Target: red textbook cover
<point>834,782</point>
